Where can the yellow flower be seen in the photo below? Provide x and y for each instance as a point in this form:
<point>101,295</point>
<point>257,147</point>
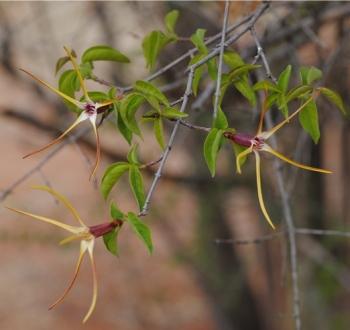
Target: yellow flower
<point>86,235</point>
<point>257,143</point>
<point>89,110</point>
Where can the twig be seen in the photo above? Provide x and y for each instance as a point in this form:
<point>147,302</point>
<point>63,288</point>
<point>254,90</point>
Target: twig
<point>38,166</point>
<point>154,162</point>
<point>169,145</point>
<point>232,39</point>
<point>285,203</point>
<point>195,127</point>
<point>221,55</point>
<point>257,240</point>
<point>192,51</point>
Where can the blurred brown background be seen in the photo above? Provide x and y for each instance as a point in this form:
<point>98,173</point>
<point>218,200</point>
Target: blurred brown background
<point>190,282</point>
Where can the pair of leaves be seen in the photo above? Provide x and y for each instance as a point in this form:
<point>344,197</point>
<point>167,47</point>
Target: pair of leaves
<point>238,76</point>
<point>115,171</point>
<point>69,82</point>
<point>156,117</point>
<point>214,141</point>
<point>198,40</point>
<point>155,41</point>
<point>308,117</point>
<point>95,53</point>
<point>140,228</point>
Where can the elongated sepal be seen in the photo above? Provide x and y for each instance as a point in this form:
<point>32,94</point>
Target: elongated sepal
<point>90,247</point>
<point>63,200</point>
<point>267,148</point>
<point>53,89</point>
<point>71,283</point>
<point>81,118</point>
<point>240,156</point>
<point>259,189</point>
<point>98,148</point>
<point>71,229</point>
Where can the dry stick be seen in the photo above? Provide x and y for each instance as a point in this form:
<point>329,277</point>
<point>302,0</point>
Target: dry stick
<point>38,166</point>
<point>268,237</point>
<point>232,39</point>
<point>169,145</point>
<point>192,51</point>
<point>285,202</point>
<point>221,55</point>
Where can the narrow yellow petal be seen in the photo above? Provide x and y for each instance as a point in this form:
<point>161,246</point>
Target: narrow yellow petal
<point>75,237</point>
<point>74,230</point>
<point>63,200</point>
<point>104,103</point>
<point>260,195</point>
<point>98,149</point>
<point>274,129</point>
<point>240,155</point>
<point>71,283</point>
<point>267,148</point>
<point>76,68</point>
<point>77,121</point>
<point>94,276</point>
<point>53,89</point>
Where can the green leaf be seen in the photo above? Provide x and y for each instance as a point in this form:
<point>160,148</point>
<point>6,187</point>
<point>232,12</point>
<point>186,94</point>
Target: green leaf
<point>333,97</point>
<point>282,104</point>
<point>103,53</point>
<point>159,131</point>
<point>246,90</point>
<point>111,176</point>
<point>198,40</point>
<point>123,128</point>
<point>110,240</point>
<point>211,148</point>
<point>152,101</point>
<point>220,121</point>
<point>212,69</point>
<point>265,85</point>
<point>141,230</point>
<point>297,92</point>
<point>170,21</point>
<point>283,79</point>
<point>233,60</point>
<point>147,88</point>
<point>309,74</point>
<point>116,214</point>
<point>243,69</point>
<point>61,62</point>
<point>97,96</point>
<point>69,84</point>
<point>128,108</point>
<point>152,44</point>
<point>308,118</point>
<point>173,113</point>
<point>132,155</point>
<point>136,184</point>
<point>198,73</point>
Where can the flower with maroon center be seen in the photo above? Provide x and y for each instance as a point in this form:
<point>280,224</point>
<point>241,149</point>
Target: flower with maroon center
<point>257,143</point>
<point>83,233</point>
<point>89,108</point>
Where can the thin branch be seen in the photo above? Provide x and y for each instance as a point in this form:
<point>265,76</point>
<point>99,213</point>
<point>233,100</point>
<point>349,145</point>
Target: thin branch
<point>221,55</point>
<point>257,240</point>
<point>38,166</point>
<point>169,145</point>
<point>192,51</point>
<point>232,39</point>
<point>287,212</point>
